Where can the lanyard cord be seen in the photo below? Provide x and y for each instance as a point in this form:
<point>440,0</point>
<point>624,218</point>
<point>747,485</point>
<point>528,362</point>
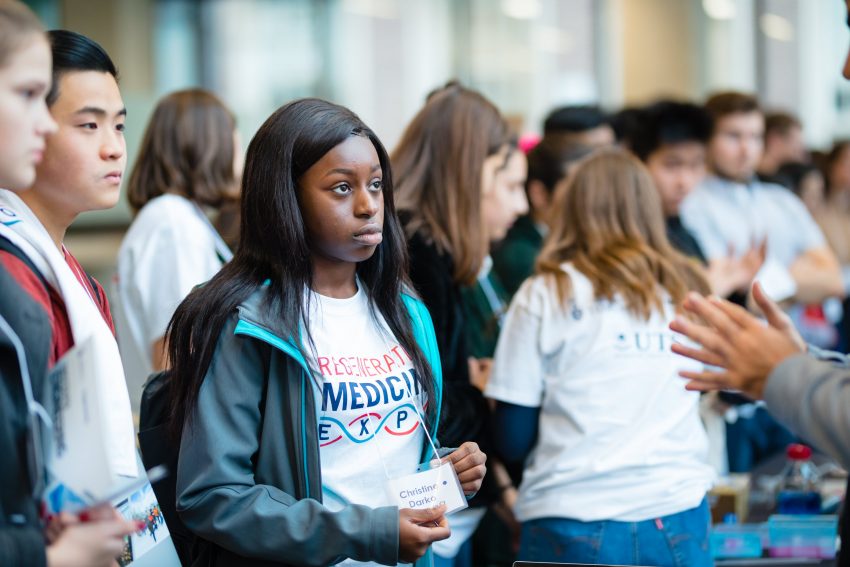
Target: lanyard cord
<point>496,304</point>
<point>415,404</point>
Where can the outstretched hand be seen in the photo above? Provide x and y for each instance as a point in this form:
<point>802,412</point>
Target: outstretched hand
<point>745,349</point>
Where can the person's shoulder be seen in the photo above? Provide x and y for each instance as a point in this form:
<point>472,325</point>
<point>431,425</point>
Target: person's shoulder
<point>539,293</point>
<point>28,281</point>
<point>524,230</point>
<point>99,292</point>
<point>167,203</point>
<point>415,306</point>
<point>766,186</point>
<point>701,194</point>
<point>520,242</point>
<point>167,220</point>
<point>428,265</point>
<point>422,247</point>
<point>710,188</point>
<point>783,196</point>
<point>169,212</point>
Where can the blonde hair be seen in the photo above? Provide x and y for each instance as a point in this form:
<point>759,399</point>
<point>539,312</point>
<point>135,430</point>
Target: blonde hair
<point>17,25</point>
<point>437,168</point>
<point>607,221</point>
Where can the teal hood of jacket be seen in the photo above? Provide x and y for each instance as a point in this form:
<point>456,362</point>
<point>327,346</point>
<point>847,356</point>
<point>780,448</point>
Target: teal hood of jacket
<point>249,477</point>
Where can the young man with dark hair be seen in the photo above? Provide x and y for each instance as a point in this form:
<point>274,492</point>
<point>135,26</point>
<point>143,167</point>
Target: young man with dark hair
<point>729,212</point>
<point>670,138</point>
<point>81,169</point>
<point>783,143</point>
<point>514,257</point>
<point>807,391</point>
<point>579,126</point>
<point>732,209</point>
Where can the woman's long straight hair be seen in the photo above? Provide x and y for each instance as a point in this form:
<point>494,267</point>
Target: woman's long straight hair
<point>607,220</point>
<point>274,248</point>
<point>438,164</point>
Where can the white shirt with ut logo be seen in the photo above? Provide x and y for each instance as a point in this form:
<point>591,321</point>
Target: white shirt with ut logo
<point>619,436</point>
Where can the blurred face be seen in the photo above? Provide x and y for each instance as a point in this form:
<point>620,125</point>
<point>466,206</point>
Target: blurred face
<point>736,146</point>
<point>24,119</point>
<point>789,146</point>
<point>503,198</point>
<point>839,173</point>
<point>85,159</point>
<point>812,190</point>
<point>342,202</point>
<point>600,137</point>
<point>676,170</point>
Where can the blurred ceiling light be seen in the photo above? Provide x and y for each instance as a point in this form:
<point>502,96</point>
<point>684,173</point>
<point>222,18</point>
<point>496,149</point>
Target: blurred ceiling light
<point>381,9</point>
<point>776,27</point>
<point>719,9</point>
<point>522,9</point>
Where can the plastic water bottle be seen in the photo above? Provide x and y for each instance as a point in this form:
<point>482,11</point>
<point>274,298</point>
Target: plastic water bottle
<point>798,491</point>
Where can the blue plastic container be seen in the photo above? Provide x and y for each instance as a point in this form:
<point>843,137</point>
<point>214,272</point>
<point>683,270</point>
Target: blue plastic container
<point>802,535</point>
<point>735,541</point>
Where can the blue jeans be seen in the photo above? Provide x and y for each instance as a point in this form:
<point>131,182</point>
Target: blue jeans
<point>675,540</point>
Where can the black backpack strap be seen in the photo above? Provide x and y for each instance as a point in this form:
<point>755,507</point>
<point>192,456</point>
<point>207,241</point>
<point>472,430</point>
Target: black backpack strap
<point>6,245</point>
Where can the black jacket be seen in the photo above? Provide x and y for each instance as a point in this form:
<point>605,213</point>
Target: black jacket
<point>683,240</point>
<point>464,410</point>
<point>21,539</point>
<point>464,415</point>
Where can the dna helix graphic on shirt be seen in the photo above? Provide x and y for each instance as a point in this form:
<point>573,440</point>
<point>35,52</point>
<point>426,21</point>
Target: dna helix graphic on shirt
<point>377,397</point>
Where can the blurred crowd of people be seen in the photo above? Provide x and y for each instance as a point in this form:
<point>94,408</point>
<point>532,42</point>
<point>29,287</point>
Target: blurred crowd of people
<point>305,325</point>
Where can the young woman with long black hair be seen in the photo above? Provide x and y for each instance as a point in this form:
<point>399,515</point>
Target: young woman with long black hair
<point>305,373</point>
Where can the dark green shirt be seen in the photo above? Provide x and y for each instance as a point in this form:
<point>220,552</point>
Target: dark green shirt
<point>513,259</point>
<point>484,305</point>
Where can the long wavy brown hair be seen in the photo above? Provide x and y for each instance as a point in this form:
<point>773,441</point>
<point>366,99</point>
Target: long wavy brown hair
<point>607,220</point>
<point>437,169</point>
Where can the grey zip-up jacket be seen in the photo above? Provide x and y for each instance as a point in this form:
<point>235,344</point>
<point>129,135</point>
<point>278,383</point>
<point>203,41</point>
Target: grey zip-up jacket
<point>810,394</point>
<point>249,478</point>
<point>21,534</point>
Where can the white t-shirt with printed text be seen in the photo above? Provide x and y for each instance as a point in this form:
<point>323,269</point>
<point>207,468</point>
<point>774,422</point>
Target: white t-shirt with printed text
<point>369,403</point>
<point>619,436</point>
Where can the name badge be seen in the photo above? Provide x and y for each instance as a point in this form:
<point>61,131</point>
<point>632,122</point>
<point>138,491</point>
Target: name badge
<point>432,485</point>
